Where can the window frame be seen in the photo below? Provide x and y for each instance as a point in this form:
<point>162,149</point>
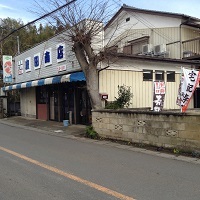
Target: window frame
<point>145,71</point>
<point>159,72</point>
<point>174,77</point>
<point>42,95</point>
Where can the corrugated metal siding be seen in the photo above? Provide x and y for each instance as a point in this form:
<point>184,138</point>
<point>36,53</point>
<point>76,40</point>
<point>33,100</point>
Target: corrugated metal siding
<point>166,36</point>
<point>142,90</point>
<point>189,33</point>
<point>49,70</point>
<point>171,93</point>
<point>191,46</point>
<point>157,36</point>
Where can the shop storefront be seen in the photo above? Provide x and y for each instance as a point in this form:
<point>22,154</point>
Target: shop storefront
<point>55,98</point>
<point>65,101</point>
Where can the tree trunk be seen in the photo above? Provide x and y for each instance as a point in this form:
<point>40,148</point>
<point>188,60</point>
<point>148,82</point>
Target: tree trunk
<point>92,80</point>
<point>89,67</point>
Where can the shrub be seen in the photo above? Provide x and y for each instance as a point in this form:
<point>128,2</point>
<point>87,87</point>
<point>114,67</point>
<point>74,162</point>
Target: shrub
<point>91,133</point>
<point>123,100</point>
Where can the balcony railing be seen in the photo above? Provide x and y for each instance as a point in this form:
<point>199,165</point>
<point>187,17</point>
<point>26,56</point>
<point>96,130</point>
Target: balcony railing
<point>191,48</point>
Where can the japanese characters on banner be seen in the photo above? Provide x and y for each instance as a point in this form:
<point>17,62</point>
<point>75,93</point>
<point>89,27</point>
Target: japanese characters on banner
<point>188,84</point>
<point>158,95</point>
<point>7,69</point>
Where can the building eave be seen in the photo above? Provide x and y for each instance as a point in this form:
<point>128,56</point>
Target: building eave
<point>154,59</point>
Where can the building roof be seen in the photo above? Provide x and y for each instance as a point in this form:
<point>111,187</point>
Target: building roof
<point>186,19</point>
<point>155,59</point>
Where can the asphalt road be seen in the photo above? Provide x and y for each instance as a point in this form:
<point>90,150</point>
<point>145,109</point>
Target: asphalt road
<point>40,166</point>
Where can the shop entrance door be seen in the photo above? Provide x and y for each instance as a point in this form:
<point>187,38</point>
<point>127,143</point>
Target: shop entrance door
<point>197,98</point>
<point>68,105</point>
<point>53,106</point>
<point>83,107</point>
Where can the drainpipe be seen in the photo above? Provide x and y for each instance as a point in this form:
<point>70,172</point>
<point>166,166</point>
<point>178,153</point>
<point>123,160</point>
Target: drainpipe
<point>180,35</point>
<point>99,74</point>
<point>102,70</point>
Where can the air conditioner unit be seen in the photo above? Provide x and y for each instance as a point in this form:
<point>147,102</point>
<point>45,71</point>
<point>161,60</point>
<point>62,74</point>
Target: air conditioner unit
<point>187,54</point>
<point>147,49</point>
<point>160,49</point>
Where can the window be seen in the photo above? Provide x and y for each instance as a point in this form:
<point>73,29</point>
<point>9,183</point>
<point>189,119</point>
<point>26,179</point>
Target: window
<point>28,64</point>
<point>159,75</point>
<point>42,95</point>
<point>127,19</point>
<point>60,52</point>
<point>170,76</point>
<point>127,49</point>
<point>135,46</point>
<point>147,75</point>
<point>36,61</point>
<point>47,57</point>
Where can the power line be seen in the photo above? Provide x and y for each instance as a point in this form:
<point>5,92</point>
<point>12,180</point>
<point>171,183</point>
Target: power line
<point>37,19</point>
<point>149,25</point>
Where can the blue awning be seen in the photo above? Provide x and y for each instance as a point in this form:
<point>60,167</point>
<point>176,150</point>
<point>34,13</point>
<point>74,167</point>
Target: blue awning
<point>78,76</point>
<point>40,82</point>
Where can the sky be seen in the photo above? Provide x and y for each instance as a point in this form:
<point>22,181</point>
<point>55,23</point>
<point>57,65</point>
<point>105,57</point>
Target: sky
<point>18,9</point>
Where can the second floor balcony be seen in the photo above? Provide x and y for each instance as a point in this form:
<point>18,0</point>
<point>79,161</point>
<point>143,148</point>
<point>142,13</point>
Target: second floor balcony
<point>191,49</point>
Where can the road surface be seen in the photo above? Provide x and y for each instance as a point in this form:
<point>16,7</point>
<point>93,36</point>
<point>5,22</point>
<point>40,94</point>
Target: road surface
<point>39,166</point>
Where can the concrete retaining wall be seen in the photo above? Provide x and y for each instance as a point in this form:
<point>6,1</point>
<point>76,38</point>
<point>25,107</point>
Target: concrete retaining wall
<point>167,129</point>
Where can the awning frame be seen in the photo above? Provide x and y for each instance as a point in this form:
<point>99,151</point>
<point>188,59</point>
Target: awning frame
<point>78,76</point>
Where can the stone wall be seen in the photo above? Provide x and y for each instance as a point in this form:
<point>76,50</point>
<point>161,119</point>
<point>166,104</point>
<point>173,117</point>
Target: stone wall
<point>166,129</point>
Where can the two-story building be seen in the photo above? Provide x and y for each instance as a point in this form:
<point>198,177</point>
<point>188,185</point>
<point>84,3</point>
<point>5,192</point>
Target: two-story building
<point>51,83</point>
<point>146,46</point>
<point>150,46</point>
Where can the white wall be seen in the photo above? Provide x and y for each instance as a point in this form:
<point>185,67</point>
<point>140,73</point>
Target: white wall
<point>138,21</point>
<point>130,73</point>
<point>69,61</point>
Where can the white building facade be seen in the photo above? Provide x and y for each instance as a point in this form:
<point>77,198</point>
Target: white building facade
<point>51,83</point>
<point>149,46</point>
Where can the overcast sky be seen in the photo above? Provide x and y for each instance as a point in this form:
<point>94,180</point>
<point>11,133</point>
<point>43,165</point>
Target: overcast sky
<point>18,9</point>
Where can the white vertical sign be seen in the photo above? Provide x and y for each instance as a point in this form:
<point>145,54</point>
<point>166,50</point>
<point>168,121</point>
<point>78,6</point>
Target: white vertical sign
<point>189,81</point>
<point>7,69</point>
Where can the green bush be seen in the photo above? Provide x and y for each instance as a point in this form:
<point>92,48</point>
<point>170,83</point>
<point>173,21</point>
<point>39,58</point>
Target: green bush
<point>112,105</point>
<point>91,133</point>
<point>123,100</point>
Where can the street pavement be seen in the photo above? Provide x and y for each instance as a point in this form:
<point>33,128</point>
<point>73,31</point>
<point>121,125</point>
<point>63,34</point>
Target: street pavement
<point>34,164</point>
<point>47,127</point>
<point>77,132</point>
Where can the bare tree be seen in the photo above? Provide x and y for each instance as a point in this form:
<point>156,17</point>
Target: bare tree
<point>85,22</point>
